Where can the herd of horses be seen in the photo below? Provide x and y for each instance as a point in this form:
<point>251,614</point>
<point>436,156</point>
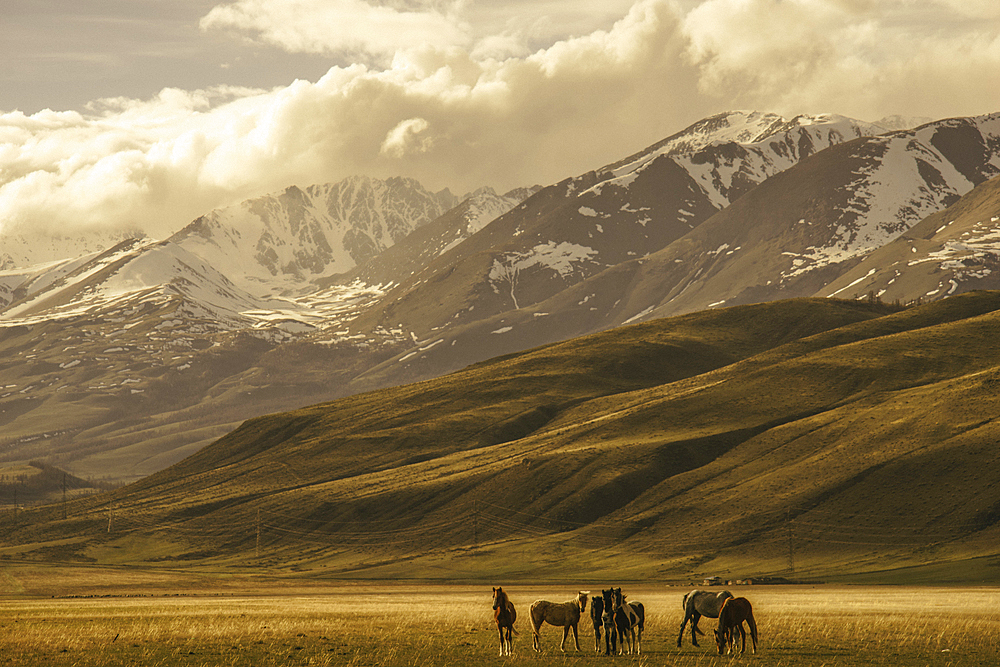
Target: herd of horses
<point>622,621</point>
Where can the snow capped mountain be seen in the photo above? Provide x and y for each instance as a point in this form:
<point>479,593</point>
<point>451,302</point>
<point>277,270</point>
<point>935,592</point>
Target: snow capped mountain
<point>323,291</point>
<point>133,272</point>
<point>803,227</point>
<point>283,243</point>
<point>574,230</point>
<point>426,244</point>
<point>24,250</point>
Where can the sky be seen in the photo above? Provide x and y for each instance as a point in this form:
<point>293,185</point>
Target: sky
<point>145,114</point>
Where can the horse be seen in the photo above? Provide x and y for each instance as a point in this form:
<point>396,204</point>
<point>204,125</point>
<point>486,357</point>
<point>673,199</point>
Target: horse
<point>565,614</point>
<point>734,611</point>
<point>628,617</point>
<point>504,614</point>
<point>597,618</point>
<point>697,604</point>
<point>608,619</point>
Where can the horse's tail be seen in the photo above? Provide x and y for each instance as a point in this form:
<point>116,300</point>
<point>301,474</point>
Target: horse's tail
<point>535,617</point>
<point>641,613</point>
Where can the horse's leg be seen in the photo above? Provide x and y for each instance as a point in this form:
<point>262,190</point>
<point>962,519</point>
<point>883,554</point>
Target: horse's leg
<point>576,637</point>
<point>694,627</point>
<point>680,635</point>
<point>743,638</point>
<point>753,631</point>
<point>536,626</point>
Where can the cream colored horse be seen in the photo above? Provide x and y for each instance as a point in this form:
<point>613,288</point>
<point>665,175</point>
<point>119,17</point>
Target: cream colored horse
<point>561,614</point>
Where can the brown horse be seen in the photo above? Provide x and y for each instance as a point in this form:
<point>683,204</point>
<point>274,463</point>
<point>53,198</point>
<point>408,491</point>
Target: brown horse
<point>505,615</point>
<point>564,614</point>
<point>731,617</point>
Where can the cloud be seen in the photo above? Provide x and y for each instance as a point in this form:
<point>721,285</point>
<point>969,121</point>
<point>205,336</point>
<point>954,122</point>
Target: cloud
<point>435,113</point>
<point>462,114</point>
<point>338,26</point>
<point>861,57</point>
<point>406,138</point>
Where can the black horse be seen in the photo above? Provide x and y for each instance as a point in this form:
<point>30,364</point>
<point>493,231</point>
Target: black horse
<point>596,614</point>
<point>608,619</point>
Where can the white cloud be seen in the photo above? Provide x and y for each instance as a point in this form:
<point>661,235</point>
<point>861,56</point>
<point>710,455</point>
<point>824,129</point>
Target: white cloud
<point>335,26</point>
<point>859,57</point>
<point>406,138</point>
<point>463,114</point>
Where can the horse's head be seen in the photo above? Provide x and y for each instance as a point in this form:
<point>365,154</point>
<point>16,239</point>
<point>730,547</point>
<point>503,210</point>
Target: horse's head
<point>582,599</point>
<point>619,598</point>
<point>720,641</point>
<point>499,597</point>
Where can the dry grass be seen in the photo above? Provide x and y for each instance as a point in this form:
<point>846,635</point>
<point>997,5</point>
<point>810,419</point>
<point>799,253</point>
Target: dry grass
<point>434,626</point>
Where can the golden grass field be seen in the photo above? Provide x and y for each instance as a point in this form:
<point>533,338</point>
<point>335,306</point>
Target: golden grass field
<point>417,625</point>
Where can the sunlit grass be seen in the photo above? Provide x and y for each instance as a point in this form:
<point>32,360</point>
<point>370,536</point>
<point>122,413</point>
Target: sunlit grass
<point>443,626</point>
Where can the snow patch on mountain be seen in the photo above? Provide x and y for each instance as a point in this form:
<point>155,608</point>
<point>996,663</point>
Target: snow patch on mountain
<point>283,243</point>
<point>909,180</point>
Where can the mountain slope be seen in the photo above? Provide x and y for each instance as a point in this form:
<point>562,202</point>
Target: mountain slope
<point>802,228</point>
<point>271,305</point>
<point>679,447</point>
<point>278,242</point>
<point>951,251</point>
<point>581,226</point>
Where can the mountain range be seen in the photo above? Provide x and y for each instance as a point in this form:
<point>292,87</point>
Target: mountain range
<point>128,354</point>
<point>807,439</point>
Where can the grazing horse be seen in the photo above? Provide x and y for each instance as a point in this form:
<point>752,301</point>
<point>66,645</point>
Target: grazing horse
<point>564,614</point>
<point>697,604</point>
<point>505,615</point>
<point>597,618</point>
<point>734,611</point>
<point>608,619</point>
<point>629,616</point>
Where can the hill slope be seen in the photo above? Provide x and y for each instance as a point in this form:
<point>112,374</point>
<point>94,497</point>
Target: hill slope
<point>691,445</point>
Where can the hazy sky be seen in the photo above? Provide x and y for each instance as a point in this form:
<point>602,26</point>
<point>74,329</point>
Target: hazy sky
<point>149,113</point>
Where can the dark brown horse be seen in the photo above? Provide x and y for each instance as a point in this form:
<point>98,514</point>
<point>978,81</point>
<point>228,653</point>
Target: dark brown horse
<point>505,615</point>
<point>731,617</point>
<point>697,604</point>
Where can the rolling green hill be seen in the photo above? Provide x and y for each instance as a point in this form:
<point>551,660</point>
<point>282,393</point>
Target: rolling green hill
<point>810,438</point>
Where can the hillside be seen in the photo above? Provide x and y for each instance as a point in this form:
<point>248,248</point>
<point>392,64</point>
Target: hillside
<point>829,438</point>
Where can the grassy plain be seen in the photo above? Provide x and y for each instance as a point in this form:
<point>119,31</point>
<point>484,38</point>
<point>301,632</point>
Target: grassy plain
<point>418,625</point>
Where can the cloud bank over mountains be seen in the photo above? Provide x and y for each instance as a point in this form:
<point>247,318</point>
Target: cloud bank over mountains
<point>459,95</point>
